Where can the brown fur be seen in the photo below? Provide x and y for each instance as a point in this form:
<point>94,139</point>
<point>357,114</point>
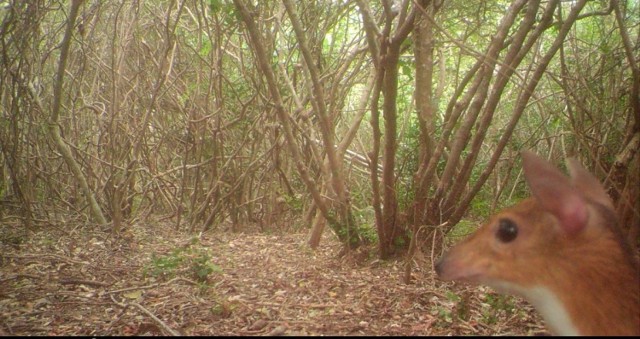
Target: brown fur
<point>587,265</point>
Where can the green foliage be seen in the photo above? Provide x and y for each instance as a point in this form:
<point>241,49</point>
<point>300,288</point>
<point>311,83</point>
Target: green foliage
<point>494,305</point>
<point>215,6</point>
<point>192,261</point>
<point>222,309</point>
<point>365,219</point>
<point>461,230</point>
<point>294,202</point>
<point>445,313</point>
<point>407,69</point>
<point>501,302</point>
<point>368,233</point>
<point>164,266</point>
<point>217,309</point>
<point>346,235</point>
<point>451,296</point>
<point>202,267</point>
<point>408,150</point>
<point>365,215</point>
<point>399,242</point>
<point>481,207</point>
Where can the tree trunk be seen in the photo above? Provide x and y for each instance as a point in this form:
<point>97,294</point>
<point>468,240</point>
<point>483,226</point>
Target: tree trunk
<point>345,218</point>
<point>284,118</point>
<point>386,62</point>
<point>54,126</point>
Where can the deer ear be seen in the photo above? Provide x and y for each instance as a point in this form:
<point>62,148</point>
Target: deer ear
<point>555,193</point>
<point>587,183</point>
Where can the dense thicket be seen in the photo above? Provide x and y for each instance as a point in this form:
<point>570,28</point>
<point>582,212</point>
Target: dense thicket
<point>382,120</point>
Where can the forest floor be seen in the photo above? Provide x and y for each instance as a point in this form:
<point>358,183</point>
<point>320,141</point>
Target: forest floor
<point>153,280</point>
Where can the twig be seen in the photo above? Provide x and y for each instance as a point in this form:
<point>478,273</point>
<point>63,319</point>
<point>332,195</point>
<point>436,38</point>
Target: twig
<point>147,312</point>
<point>59,257</point>
<point>18,276</point>
<point>8,327</point>
<point>278,331</point>
<point>82,282</point>
<point>157,320</point>
<point>151,286</point>
<point>263,303</point>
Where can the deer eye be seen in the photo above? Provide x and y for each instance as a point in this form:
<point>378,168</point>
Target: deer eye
<point>507,230</point>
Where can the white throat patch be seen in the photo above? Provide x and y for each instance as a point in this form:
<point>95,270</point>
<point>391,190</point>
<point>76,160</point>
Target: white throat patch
<point>547,303</point>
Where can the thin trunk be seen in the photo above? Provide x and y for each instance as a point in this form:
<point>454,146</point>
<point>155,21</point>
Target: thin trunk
<point>326,128</point>
<point>283,116</point>
<point>485,75</point>
<point>512,60</point>
<point>423,51</point>
<point>521,104</point>
<point>54,126</point>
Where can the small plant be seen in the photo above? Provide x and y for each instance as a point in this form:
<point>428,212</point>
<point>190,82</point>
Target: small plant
<point>481,207</point>
<point>294,202</point>
<point>202,267</point>
<point>489,316</point>
<point>399,242</point>
<point>165,265</point>
<point>495,305</point>
<point>501,302</point>
<point>453,297</point>
<point>444,314</point>
<point>222,310</point>
<point>461,230</point>
<point>192,261</point>
<point>368,233</point>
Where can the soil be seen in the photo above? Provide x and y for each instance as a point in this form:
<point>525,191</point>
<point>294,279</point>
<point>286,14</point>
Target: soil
<point>154,280</point>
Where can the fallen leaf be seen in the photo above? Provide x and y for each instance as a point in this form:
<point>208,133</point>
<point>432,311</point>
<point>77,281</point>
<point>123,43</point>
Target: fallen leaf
<point>133,294</point>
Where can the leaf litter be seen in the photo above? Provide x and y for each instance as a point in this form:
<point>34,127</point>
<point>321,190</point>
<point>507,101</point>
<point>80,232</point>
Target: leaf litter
<point>153,280</point>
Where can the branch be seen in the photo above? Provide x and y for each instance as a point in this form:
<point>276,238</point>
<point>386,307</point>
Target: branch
<point>283,116</point>
<point>157,320</point>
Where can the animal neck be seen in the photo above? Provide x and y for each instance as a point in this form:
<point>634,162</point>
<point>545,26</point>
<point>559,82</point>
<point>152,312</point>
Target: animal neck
<point>598,295</point>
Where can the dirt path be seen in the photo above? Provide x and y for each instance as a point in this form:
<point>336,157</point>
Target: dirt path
<point>150,281</point>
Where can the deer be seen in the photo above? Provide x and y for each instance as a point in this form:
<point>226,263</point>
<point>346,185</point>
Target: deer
<point>561,250</point>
